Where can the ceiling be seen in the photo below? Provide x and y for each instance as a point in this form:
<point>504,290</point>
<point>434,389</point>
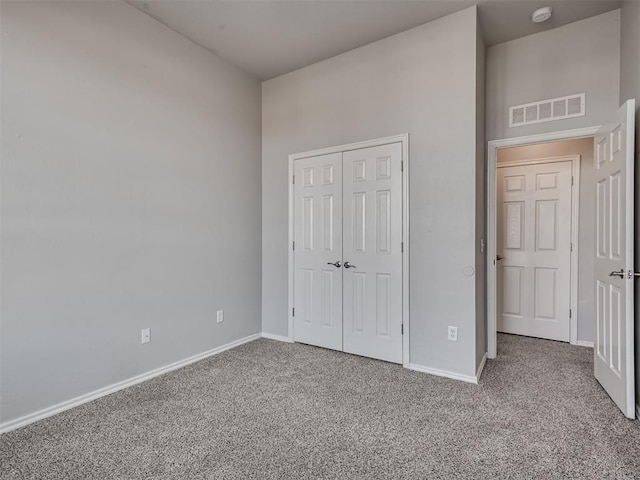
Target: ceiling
<point>267,38</point>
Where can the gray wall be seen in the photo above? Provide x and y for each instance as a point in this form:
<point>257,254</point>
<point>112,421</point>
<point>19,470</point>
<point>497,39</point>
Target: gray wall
<point>580,57</point>
<point>481,205</point>
<point>421,82</point>
<point>630,88</point>
<point>131,191</point>
<point>586,226</point>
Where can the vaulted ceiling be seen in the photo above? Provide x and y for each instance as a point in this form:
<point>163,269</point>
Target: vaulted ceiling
<point>269,38</point>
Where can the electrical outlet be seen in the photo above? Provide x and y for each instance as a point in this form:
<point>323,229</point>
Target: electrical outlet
<point>220,317</point>
<point>146,335</point>
<point>452,334</point>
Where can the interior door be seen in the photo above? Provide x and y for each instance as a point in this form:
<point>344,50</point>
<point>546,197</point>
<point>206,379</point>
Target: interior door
<point>534,241</point>
<point>614,274</point>
<point>372,252</point>
<point>318,251</point>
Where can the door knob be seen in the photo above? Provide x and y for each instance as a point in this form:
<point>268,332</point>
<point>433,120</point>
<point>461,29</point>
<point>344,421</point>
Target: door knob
<point>499,257</point>
<point>348,265</point>
<point>335,264</point>
<point>617,274</point>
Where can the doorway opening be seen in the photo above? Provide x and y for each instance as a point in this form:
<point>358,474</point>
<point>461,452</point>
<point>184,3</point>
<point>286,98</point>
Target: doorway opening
<point>612,190</point>
<point>540,235</point>
<point>537,233</point>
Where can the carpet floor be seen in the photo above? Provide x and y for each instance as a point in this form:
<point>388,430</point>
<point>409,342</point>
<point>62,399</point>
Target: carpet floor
<point>270,410</point>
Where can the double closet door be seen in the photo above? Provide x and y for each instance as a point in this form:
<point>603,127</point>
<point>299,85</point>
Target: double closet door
<point>348,251</point>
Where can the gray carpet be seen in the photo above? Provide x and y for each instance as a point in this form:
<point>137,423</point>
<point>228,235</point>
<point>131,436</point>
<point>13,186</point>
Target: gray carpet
<point>273,410</point>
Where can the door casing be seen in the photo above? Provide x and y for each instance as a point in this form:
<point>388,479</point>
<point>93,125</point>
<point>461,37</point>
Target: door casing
<point>575,198</point>
<point>492,166</point>
<point>404,140</point>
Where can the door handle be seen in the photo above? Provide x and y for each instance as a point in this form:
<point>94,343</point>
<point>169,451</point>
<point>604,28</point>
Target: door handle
<point>335,264</point>
<point>615,273</point>
<point>499,257</point>
<point>348,265</point>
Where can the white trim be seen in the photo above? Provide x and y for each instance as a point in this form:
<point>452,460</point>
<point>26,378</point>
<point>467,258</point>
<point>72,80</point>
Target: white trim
<point>492,160</point>
<point>575,230</point>
<point>404,140</point>
<point>443,373</point>
<point>405,257</point>
<point>279,338</point>
<point>538,161</point>
<point>481,367</point>
<point>583,343</point>
<point>347,147</point>
<point>101,392</point>
<point>630,229</point>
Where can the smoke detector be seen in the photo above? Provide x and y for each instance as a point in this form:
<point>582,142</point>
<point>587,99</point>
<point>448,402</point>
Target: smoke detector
<point>541,15</point>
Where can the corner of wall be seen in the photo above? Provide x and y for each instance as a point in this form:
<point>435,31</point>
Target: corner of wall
<point>481,227</point>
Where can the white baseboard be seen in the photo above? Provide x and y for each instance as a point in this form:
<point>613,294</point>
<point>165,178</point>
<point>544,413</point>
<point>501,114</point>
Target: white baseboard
<point>481,367</point>
<point>279,338</point>
<point>88,397</point>
<point>583,343</point>
<point>443,373</point>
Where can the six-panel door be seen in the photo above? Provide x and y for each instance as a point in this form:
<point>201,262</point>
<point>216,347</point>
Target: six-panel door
<point>372,243</point>
<point>614,347</point>
<point>534,239</point>
<point>318,244</point>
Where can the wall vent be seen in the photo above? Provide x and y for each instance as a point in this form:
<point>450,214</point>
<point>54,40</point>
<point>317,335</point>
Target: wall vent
<point>547,110</point>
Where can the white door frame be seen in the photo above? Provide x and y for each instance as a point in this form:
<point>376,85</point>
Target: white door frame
<point>575,217</point>
<point>492,166</point>
<point>404,140</point>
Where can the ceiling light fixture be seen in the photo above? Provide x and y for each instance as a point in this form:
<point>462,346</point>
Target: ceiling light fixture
<point>541,15</point>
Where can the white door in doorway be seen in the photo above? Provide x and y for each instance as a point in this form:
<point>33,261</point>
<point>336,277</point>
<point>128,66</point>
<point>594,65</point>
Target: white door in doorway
<point>372,252</point>
<point>614,268</point>
<point>534,250</point>
<point>318,251</point>
<point>348,251</point>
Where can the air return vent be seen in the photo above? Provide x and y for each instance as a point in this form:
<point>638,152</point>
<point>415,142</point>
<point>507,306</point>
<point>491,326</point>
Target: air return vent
<point>547,110</point>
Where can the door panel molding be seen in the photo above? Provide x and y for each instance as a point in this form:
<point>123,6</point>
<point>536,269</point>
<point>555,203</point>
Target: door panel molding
<point>380,171</point>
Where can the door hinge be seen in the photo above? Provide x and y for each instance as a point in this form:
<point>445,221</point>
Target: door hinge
<point>293,312</point>
<point>402,329</point>
<point>572,181</point>
<point>401,247</point>
<point>293,179</point>
<point>293,246</point>
<point>570,313</point>
<point>401,166</point>
<point>571,246</point>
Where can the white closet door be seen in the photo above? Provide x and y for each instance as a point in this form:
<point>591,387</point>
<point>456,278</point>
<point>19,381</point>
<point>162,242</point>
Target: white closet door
<point>372,252</point>
<point>534,241</point>
<point>318,245</point>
